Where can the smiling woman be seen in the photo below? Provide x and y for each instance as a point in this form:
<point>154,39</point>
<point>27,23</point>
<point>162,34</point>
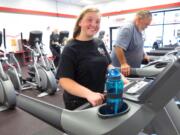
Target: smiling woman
<point>76,72</point>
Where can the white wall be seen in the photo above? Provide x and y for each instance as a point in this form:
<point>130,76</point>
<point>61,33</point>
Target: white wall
<point>131,4</point>
<point>68,9</point>
<point>41,5</point>
<point>117,6</point>
<point>15,23</point>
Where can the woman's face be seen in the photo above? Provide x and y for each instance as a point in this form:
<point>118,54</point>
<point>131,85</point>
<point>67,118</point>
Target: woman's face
<point>90,24</point>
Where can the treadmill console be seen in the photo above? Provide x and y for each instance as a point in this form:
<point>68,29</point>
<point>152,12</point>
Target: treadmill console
<point>149,89</point>
<point>135,88</point>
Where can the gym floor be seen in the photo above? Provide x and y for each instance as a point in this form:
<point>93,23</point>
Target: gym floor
<point>18,122</point>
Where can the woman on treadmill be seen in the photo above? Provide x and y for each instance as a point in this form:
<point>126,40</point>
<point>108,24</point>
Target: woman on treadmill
<point>84,62</point>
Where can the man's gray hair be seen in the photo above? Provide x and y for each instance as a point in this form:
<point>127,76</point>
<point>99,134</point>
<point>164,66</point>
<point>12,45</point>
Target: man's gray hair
<point>144,14</point>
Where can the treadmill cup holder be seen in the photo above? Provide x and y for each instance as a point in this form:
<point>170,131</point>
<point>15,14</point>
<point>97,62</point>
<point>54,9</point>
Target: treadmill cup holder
<point>105,111</point>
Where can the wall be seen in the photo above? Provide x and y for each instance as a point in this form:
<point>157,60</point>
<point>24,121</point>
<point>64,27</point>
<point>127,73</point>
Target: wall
<point>122,5</point>
<point>41,5</point>
<point>119,14</point>
<point>14,24</point>
<point>43,15</point>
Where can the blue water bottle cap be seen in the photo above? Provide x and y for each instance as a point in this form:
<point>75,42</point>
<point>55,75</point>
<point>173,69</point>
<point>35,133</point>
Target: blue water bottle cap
<point>114,74</point>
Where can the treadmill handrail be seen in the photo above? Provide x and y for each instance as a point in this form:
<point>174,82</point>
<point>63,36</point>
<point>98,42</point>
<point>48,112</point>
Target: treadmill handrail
<point>166,82</point>
<point>46,112</point>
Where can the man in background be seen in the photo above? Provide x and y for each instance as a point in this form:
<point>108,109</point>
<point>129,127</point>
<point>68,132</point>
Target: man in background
<point>128,49</point>
<point>55,46</point>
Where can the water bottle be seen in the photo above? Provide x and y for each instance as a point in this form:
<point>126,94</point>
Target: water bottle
<point>114,89</point>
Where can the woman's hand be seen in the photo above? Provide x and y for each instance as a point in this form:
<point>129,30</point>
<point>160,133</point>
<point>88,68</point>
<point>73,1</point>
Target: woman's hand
<point>95,98</point>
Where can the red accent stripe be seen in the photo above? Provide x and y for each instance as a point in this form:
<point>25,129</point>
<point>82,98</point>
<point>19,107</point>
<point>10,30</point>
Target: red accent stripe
<point>172,5</point>
<point>24,11</point>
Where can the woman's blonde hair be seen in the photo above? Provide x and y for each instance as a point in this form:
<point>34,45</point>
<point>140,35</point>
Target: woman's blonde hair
<point>77,28</point>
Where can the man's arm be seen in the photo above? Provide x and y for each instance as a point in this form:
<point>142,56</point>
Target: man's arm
<point>125,68</point>
<point>120,55</point>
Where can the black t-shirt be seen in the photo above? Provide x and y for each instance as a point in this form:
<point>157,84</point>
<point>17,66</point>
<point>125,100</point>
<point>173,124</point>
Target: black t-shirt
<point>85,62</point>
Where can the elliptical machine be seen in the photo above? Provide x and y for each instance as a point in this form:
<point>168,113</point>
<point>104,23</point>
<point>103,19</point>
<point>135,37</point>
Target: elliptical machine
<point>40,74</point>
<point>63,37</point>
<point>15,74</point>
<point>7,92</point>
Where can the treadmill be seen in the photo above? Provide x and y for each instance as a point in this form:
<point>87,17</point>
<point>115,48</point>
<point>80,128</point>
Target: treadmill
<point>145,99</point>
<point>157,53</point>
<point>167,121</point>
